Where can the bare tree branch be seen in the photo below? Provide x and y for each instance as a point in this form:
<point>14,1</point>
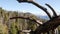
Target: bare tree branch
<point>37,21</point>
<point>54,13</point>
<point>43,8</point>
<point>49,25</point>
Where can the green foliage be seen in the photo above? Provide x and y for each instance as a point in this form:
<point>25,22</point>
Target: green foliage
<point>3,29</point>
<point>17,24</point>
<point>13,28</point>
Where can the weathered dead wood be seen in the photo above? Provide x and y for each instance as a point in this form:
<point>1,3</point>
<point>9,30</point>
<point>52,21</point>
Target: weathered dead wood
<point>51,24</point>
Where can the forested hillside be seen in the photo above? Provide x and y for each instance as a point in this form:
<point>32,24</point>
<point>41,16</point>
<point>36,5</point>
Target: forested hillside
<point>8,26</point>
<point>13,26</point>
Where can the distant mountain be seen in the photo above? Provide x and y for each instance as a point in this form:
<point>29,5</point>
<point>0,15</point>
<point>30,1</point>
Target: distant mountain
<point>43,17</point>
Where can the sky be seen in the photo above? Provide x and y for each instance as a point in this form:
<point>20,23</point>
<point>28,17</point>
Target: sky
<point>13,5</point>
